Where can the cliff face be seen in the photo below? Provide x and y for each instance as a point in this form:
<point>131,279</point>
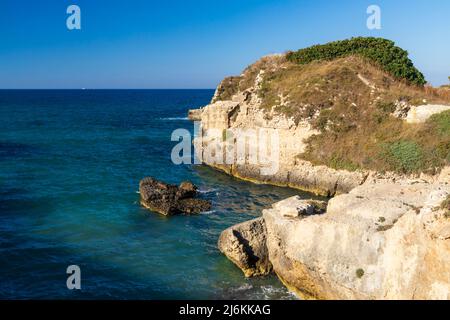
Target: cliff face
<point>223,121</point>
<point>336,123</point>
<point>347,129</point>
<point>383,240</point>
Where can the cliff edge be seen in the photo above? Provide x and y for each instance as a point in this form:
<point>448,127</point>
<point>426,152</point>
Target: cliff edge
<point>353,120</point>
<point>337,118</point>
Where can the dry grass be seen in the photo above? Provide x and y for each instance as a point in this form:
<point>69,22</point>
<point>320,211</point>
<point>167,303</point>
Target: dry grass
<point>355,121</point>
<point>350,101</point>
<point>232,85</point>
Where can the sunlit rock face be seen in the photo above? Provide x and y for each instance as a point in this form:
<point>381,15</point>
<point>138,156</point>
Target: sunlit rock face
<point>383,240</point>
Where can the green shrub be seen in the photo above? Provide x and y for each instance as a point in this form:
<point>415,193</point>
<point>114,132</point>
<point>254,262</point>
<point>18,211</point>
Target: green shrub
<point>337,162</point>
<point>381,51</point>
<point>445,205</point>
<point>359,273</point>
<point>441,121</point>
<point>404,156</point>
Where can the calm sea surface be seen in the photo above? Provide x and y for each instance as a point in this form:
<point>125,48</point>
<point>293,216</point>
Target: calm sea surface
<point>70,165</point>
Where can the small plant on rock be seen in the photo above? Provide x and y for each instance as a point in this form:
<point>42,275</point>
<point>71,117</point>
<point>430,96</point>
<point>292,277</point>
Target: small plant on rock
<point>359,273</point>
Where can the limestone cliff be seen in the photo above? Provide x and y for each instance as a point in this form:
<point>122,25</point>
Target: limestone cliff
<point>383,240</point>
<point>346,128</point>
<point>337,122</point>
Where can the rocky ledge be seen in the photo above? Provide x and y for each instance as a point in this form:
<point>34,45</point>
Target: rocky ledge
<point>383,240</point>
<point>168,199</point>
<point>245,245</point>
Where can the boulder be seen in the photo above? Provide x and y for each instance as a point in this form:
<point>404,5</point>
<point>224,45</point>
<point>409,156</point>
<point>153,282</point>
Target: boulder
<point>295,207</point>
<point>245,245</point>
<point>168,199</point>
<point>418,114</point>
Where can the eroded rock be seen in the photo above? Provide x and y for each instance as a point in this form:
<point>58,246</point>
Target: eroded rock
<point>383,240</point>
<point>245,245</point>
<point>168,199</point>
<point>418,114</point>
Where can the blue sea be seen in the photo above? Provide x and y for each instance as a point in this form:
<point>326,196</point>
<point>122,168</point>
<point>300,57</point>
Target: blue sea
<point>70,165</point>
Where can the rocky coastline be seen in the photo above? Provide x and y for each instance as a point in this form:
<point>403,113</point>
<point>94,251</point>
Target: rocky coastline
<point>382,235</point>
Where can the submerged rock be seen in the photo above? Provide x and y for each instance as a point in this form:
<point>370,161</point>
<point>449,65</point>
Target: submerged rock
<point>245,245</point>
<point>168,199</point>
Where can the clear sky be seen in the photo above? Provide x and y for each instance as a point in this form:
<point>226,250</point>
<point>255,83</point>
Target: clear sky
<point>195,43</point>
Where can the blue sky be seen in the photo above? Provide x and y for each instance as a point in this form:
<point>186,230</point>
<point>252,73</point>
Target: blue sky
<point>195,43</point>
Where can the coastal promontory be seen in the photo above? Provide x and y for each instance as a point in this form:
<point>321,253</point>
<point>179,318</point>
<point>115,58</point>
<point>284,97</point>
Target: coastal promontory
<point>356,122</point>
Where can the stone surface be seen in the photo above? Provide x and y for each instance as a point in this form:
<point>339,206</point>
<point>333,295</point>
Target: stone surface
<point>195,114</point>
<point>233,117</point>
<point>245,245</point>
<point>168,199</point>
<point>383,240</point>
<point>418,114</point>
<point>296,207</point>
<point>242,112</point>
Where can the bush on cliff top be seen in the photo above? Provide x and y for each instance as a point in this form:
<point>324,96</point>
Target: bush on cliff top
<point>381,51</point>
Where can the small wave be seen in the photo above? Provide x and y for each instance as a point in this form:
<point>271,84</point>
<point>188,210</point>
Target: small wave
<point>207,191</point>
<point>245,286</point>
<point>174,118</point>
<point>208,212</point>
<point>269,292</point>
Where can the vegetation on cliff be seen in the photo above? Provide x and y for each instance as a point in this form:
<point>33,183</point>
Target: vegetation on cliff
<point>445,205</point>
<point>381,51</point>
<point>350,92</point>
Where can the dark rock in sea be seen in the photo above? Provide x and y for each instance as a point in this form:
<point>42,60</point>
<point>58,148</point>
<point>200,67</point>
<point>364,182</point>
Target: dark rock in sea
<point>168,199</point>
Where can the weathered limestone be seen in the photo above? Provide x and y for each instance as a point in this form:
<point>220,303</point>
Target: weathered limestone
<point>229,118</point>
<point>245,245</point>
<point>418,114</point>
<point>382,237</point>
<point>195,114</point>
<point>383,240</point>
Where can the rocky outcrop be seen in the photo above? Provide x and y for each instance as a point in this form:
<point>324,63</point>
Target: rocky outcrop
<point>168,199</point>
<point>224,121</point>
<point>418,114</point>
<point>195,114</point>
<point>383,235</point>
<point>245,245</point>
<point>315,112</point>
<point>383,240</point>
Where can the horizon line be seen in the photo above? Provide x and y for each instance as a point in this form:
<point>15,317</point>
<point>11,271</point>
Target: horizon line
<point>86,89</point>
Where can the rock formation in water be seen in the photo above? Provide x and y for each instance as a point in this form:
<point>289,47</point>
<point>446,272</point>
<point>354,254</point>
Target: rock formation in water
<point>245,245</point>
<point>168,199</point>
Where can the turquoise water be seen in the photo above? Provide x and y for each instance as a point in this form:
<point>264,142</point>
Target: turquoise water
<point>70,164</point>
